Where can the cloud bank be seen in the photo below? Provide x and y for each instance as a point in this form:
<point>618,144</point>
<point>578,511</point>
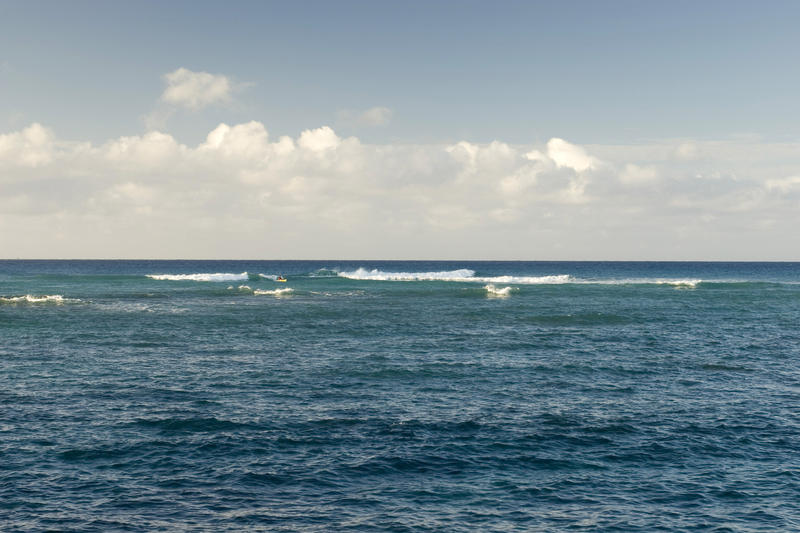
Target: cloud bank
<point>242,193</point>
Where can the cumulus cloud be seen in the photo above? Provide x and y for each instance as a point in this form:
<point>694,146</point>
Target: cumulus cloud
<point>243,193</point>
<point>31,147</point>
<point>319,139</point>
<point>195,90</point>
<point>568,155</point>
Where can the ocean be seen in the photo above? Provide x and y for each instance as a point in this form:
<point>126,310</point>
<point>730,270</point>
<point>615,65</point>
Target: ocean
<point>399,396</point>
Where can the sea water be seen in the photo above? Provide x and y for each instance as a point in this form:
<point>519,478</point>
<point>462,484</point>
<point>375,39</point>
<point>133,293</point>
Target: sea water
<point>399,396</point>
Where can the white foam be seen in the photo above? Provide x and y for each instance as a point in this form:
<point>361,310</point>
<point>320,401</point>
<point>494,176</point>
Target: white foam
<point>219,276</point>
<point>245,288</point>
<point>461,275</point>
<point>273,277</point>
<point>529,280</point>
<point>681,283</point>
<point>379,275</point>
<point>493,291</point>
<point>33,299</point>
<point>468,276</point>
<point>677,283</point>
<point>275,292</point>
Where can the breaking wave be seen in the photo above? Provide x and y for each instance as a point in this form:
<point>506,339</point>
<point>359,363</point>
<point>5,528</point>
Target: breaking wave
<point>677,283</point>
<point>275,292</point>
<point>33,299</point>
<point>493,291</point>
<point>681,283</point>
<point>529,280</point>
<point>219,276</point>
<point>462,275</point>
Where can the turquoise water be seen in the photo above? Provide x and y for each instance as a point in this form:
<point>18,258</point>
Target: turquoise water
<point>399,396</point>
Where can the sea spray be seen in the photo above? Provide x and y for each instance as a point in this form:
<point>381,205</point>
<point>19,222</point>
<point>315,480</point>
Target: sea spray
<point>495,292</point>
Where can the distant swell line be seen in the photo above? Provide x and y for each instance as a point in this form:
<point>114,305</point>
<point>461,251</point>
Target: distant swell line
<point>460,275</point>
<point>216,276</point>
<point>219,276</point>
<point>468,276</point>
<point>379,275</point>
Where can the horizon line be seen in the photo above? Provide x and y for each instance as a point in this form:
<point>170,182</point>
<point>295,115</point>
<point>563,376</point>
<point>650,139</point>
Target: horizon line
<point>427,260</point>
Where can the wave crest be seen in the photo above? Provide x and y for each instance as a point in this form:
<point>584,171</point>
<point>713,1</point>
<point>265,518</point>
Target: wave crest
<point>681,283</point>
<point>33,299</point>
<point>323,273</point>
<point>677,283</point>
<point>493,291</point>
<point>218,276</point>
<point>461,275</point>
<point>529,280</point>
<point>275,292</point>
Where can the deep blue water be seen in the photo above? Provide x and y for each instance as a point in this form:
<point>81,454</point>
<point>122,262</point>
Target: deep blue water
<point>399,396</point>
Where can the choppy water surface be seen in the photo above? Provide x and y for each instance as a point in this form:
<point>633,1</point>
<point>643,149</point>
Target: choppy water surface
<point>399,396</point>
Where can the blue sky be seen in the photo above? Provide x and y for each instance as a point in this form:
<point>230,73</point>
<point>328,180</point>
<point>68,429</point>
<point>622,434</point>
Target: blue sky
<point>507,130</point>
<point>520,71</point>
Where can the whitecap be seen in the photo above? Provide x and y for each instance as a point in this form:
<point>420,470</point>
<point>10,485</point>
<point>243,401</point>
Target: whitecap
<point>677,283</point>
<point>681,283</point>
<point>463,274</point>
<point>529,280</point>
<point>460,275</point>
<point>274,292</point>
<point>219,276</point>
<point>494,292</point>
<point>34,299</point>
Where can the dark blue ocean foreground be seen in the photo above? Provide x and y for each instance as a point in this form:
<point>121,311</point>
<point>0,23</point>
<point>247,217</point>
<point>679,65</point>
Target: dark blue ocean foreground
<point>399,396</point>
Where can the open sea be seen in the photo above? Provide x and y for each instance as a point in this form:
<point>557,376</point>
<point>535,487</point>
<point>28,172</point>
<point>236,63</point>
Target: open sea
<point>399,396</point>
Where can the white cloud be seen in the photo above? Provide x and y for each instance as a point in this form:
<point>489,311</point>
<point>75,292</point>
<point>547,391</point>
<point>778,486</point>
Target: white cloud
<point>319,139</point>
<point>229,194</point>
<point>249,141</point>
<point>636,174</point>
<point>784,185</point>
<point>195,90</point>
<point>31,147</point>
<point>569,155</point>
<point>153,149</point>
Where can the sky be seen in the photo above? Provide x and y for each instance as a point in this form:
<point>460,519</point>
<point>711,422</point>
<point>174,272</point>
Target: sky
<point>507,130</point>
